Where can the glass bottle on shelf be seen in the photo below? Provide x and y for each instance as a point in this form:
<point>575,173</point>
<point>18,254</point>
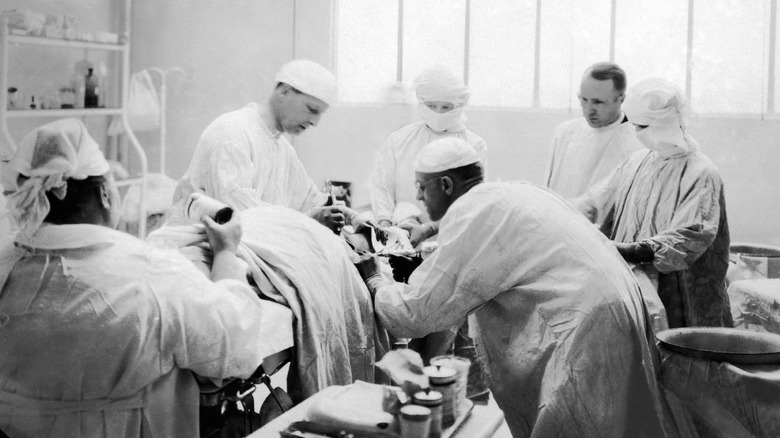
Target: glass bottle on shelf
<point>91,90</point>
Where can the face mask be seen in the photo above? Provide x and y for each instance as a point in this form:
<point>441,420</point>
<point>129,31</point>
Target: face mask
<point>440,122</point>
<point>649,140</point>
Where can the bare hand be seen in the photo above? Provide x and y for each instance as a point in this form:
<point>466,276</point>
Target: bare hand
<point>330,216</point>
<point>368,266</point>
<point>360,224</point>
<point>417,233</point>
<point>223,237</point>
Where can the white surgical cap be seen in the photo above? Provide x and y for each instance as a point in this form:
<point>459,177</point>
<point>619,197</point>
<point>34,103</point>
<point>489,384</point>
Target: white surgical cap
<point>658,104</point>
<point>437,83</point>
<point>310,78</point>
<point>48,157</point>
<point>444,154</point>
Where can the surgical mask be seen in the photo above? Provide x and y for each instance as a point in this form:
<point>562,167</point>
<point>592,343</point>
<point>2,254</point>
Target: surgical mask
<point>648,138</point>
<point>441,121</point>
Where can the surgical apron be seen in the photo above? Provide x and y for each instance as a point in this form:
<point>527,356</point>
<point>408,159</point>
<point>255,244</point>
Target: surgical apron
<point>583,155</point>
<point>557,314</point>
<point>242,163</point>
<point>393,179</point>
<point>100,330</point>
<point>675,204</point>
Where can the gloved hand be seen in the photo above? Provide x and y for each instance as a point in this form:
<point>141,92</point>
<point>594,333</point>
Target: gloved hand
<point>635,252</point>
<point>403,266</point>
<point>330,216</point>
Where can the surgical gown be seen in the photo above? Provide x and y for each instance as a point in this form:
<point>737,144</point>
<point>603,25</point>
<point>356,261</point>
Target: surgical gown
<point>557,313</point>
<point>99,332</point>
<point>393,179</point>
<point>242,163</point>
<point>676,204</point>
<point>583,155</point>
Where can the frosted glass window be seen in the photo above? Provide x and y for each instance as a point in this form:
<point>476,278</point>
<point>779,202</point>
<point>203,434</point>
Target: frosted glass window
<point>366,49</point>
<point>434,33</point>
<point>574,35</point>
<point>651,38</point>
<point>776,102</point>
<point>501,53</point>
<point>729,68</point>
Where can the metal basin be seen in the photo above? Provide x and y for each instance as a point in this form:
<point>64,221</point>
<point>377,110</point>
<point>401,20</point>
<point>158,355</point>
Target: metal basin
<point>741,347</point>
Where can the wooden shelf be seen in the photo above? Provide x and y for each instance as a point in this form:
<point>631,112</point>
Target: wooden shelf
<point>74,44</point>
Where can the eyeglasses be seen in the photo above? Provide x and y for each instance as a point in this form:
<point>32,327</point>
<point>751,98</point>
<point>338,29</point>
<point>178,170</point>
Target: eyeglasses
<point>421,185</point>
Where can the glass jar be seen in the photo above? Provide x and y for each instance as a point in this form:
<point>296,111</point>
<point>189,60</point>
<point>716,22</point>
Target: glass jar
<point>443,379</point>
<point>433,401</point>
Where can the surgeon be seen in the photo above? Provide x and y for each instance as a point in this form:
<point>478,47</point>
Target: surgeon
<point>587,149</point>
<point>441,99</point>
<point>665,210</point>
<point>557,313</point>
<point>101,332</point>
<point>243,160</point>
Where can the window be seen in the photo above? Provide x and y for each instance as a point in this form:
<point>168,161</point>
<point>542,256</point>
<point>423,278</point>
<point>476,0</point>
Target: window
<point>651,39</point>
<point>501,53</point>
<point>728,71</point>
<point>434,33</point>
<point>366,49</point>
<point>574,35</point>
<point>531,53</point>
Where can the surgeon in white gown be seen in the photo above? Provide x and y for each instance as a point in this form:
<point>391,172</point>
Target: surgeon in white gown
<point>244,160</point>
<point>100,332</point>
<point>587,149</point>
<point>557,313</point>
<point>665,209</point>
<point>442,98</point>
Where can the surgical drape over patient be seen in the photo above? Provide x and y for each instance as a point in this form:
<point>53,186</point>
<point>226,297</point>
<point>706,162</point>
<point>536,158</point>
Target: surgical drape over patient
<point>46,158</point>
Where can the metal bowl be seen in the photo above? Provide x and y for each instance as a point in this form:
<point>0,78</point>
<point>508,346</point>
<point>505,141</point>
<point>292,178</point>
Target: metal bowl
<point>720,344</point>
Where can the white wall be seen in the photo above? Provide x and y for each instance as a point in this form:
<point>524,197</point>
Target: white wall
<point>231,50</point>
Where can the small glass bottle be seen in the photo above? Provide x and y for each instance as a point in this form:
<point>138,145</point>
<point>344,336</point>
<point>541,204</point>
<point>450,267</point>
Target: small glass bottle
<point>90,90</point>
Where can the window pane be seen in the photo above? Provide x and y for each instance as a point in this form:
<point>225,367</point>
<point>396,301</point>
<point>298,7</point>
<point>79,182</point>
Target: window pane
<point>434,33</point>
<point>501,53</point>
<point>574,35</point>
<point>728,70</point>
<point>776,103</point>
<point>651,39</point>
<point>366,49</point>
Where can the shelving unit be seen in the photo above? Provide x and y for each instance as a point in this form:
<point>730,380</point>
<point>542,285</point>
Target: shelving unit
<point>8,145</point>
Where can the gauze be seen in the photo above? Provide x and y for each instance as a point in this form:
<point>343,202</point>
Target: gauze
<point>310,78</point>
<point>659,105</point>
<point>444,154</point>
<point>449,121</point>
<point>48,157</point>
